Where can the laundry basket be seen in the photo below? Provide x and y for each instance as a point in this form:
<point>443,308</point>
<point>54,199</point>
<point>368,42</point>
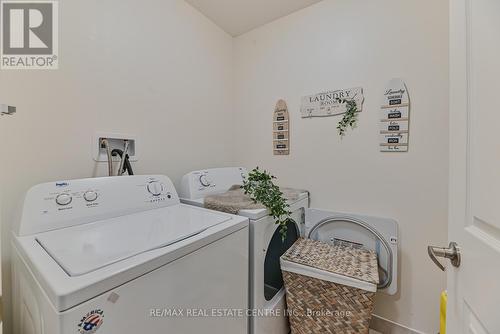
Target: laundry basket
<point>329,288</point>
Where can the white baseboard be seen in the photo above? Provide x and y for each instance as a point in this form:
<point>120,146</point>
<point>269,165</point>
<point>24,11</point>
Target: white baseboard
<point>387,326</point>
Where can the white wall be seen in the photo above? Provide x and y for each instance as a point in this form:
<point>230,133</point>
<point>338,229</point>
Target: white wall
<point>347,43</point>
<point>162,71</point>
<point>157,69</point>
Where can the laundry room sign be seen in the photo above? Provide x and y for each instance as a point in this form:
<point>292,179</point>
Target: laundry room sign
<point>330,103</point>
<point>394,117</point>
<point>281,129</point>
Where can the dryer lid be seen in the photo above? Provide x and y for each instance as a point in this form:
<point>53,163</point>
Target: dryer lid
<point>348,266</point>
<point>358,231</point>
<point>85,248</point>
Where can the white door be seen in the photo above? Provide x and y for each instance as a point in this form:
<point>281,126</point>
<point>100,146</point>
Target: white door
<point>474,219</point>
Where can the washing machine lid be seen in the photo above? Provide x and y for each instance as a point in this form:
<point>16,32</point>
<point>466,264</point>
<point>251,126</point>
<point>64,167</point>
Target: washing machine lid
<point>85,248</point>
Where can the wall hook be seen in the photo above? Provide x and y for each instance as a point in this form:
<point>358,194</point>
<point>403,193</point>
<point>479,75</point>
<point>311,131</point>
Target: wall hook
<point>7,110</point>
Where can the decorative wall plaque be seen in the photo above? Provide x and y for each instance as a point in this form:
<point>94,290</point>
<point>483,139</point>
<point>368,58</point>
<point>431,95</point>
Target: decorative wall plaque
<point>281,129</point>
<point>330,103</point>
<point>394,117</point>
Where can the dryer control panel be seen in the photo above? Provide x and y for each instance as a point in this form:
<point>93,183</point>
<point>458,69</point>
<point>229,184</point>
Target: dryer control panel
<point>200,183</point>
<point>59,204</point>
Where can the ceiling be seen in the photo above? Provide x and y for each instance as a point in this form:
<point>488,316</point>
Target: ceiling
<point>239,16</point>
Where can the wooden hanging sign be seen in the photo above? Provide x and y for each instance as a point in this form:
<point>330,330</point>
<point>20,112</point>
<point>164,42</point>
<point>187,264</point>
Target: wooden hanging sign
<point>394,117</point>
<point>330,103</point>
<point>281,129</point>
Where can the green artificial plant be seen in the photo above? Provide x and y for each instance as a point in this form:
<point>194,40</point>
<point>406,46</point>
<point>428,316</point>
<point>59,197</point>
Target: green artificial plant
<point>349,118</point>
<point>260,187</point>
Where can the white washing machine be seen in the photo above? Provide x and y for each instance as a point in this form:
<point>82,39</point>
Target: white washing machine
<point>122,255</point>
<point>266,293</point>
<point>354,230</point>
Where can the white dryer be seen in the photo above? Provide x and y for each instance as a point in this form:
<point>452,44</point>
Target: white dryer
<point>122,255</point>
<point>266,293</point>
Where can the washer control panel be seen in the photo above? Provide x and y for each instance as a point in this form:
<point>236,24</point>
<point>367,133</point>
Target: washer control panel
<point>200,183</point>
<point>61,204</point>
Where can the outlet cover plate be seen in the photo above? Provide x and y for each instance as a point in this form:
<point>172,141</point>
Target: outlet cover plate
<point>116,140</point>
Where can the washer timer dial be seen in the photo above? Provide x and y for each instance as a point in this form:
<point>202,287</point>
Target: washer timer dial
<point>155,188</point>
<point>90,196</point>
<point>64,199</point>
<point>205,181</point>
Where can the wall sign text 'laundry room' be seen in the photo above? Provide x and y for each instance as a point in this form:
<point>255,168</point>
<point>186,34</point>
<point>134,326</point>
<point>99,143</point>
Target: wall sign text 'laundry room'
<point>330,103</point>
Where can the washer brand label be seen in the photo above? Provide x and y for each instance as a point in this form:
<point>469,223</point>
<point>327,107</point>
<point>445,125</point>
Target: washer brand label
<point>91,322</point>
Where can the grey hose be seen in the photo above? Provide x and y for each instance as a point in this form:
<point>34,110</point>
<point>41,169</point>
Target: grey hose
<point>122,160</point>
<point>105,144</point>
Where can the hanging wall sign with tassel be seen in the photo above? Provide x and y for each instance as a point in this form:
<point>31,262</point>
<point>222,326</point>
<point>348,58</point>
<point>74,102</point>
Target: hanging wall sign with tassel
<point>281,129</point>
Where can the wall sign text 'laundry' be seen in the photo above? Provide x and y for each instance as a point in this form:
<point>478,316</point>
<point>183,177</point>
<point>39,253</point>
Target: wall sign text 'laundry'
<point>330,103</point>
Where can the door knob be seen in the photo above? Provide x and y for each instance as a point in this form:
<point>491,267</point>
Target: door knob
<point>452,253</point>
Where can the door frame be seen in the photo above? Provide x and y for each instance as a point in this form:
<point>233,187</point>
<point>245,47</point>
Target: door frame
<point>458,208</point>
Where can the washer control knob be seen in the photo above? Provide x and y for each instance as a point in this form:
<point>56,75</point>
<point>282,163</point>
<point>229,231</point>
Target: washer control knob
<point>63,199</point>
<point>155,188</point>
<point>205,181</point>
<point>90,196</point>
